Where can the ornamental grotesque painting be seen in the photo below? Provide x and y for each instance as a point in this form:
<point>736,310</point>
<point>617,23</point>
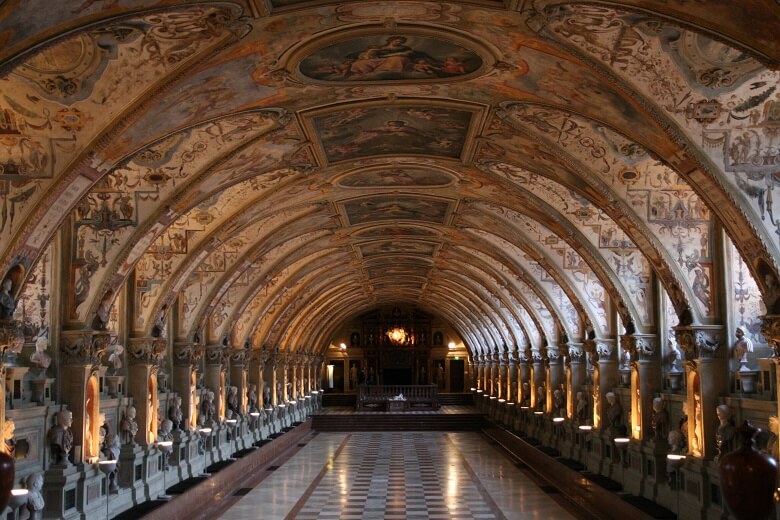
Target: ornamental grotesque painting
<point>390,57</point>
<point>389,130</point>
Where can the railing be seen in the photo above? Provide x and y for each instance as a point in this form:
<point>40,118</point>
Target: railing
<point>381,397</point>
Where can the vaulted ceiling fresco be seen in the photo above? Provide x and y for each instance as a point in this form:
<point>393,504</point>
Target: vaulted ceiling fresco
<point>259,171</point>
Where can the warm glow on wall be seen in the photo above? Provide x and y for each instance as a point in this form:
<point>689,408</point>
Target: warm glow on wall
<point>397,335</point>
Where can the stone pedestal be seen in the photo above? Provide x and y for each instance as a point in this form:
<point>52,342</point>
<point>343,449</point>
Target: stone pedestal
<point>14,384</point>
<point>184,449</point>
<point>40,390</point>
<point>60,490</point>
<point>115,386</point>
<point>131,469</point>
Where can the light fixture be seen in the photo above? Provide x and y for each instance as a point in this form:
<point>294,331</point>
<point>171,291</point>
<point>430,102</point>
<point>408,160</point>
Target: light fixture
<point>558,420</point>
<point>451,345</point>
<point>343,346</point>
<point>397,335</point>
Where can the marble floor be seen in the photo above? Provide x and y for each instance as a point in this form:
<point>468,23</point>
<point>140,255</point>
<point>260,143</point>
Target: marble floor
<point>398,475</point>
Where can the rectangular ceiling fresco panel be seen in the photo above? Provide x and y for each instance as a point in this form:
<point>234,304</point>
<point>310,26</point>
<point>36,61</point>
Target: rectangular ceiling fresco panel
<point>392,130</point>
<point>381,208</point>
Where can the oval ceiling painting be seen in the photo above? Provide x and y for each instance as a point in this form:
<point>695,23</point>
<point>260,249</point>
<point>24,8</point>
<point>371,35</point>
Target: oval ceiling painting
<point>392,57</point>
<point>395,177</point>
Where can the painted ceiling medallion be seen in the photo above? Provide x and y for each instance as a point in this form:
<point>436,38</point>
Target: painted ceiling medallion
<point>402,56</point>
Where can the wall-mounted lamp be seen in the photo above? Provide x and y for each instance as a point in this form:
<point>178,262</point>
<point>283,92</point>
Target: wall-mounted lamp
<point>451,345</point>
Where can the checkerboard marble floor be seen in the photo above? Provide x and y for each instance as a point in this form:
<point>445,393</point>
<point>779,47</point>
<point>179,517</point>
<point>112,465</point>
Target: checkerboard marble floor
<point>398,475</point>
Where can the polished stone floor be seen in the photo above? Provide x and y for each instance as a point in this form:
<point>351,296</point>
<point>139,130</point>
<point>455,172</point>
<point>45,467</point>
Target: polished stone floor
<point>411,475</point>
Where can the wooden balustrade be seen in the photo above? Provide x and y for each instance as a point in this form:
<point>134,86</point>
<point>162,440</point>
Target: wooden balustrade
<point>381,397</point>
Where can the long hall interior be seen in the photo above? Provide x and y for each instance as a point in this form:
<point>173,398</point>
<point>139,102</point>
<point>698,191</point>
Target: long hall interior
<point>248,245</point>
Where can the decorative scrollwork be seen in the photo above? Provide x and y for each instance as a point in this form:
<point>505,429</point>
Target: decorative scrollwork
<point>83,347</point>
<point>187,353</point>
<point>697,342</point>
<point>148,350</point>
<point>11,336</point>
<point>770,329</point>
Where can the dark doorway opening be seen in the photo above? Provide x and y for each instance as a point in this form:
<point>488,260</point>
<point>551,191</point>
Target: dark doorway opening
<point>397,376</point>
<point>457,381</point>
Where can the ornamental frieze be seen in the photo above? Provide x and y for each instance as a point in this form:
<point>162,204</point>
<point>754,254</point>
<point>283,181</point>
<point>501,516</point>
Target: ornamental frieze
<point>147,350</point>
<point>698,342</point>
<point>83,347</point>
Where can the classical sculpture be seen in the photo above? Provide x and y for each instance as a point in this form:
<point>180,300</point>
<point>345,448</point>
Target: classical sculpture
<point>233,403</point>
<point>659,421</point>
<point>111,444</point>
<point>696,442</point>
<point>129,427</point>
<point>726,432</point>
<point>165,433</point>
<point>7,302</point>
<point>207,410</point>
<point>175,414</point>
<point>115,359</point>
<point>251,398</point>
<point>674,355</point>
<point>40,358</point>
<point>741,347</point>
<point>267,396</point>
<point>559,403</point>
<point>582,408</point>
<point>625,359</point>
<point>61,438</point>
<point>614,416</point>
<point>35,501</point>
<point>526,394</point>
<point>541,398</point>
<point>678,438</point>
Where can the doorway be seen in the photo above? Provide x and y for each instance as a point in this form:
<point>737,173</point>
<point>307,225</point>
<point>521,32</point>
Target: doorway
<point>457,377</point>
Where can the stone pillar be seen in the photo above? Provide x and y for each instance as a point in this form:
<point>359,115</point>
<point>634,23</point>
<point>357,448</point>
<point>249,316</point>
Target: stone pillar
<point>186,358</point>
<point>478,372</point>
<point>525,377</point>
<point>503,360</point>
<point>495,368</point>
<point>645,382</point>
<point>306,370</point>
<point>513,390</point>
<point>238,375</point>
<point>486,372</point>
<point>80,355</point>
<point>539,377</point>
<point>144,356</point>
<point>554,378</point>
<point>575,376</point>
<point>275,360</point>
<point>285,360</point>
<point>706,371</point>
<point>214,377</point>
<point>256,364</point>
<point>605,377</point>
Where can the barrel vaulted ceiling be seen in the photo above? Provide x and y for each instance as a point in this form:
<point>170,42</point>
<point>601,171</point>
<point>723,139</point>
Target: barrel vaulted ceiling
<point>530,172</point>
